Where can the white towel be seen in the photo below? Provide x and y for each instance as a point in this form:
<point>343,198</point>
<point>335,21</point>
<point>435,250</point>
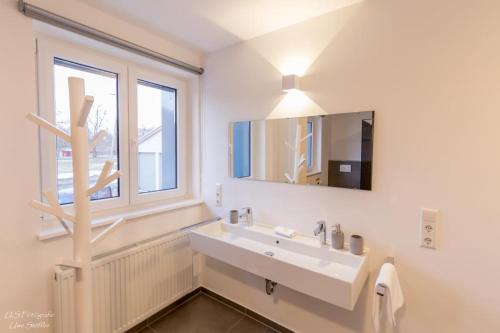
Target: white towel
<point>394,300</point>
<point>286,232</point>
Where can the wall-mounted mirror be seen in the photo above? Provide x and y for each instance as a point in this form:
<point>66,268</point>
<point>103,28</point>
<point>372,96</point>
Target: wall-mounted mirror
<point>333,150</point>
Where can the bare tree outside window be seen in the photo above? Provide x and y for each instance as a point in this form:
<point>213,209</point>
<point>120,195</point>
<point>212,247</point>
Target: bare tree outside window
<point>103,116</point>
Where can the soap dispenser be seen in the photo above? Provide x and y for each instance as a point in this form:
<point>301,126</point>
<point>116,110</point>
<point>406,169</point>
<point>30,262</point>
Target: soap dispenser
<point>337,237</point>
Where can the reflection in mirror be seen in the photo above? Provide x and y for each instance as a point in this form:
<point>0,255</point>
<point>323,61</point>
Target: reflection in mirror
<point>333,150</point>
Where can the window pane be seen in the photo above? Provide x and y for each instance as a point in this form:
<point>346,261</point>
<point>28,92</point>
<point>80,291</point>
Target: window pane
<point>241,149</point>
<point>103,116</point>
<point>310,155</point>
<point>157,137</point>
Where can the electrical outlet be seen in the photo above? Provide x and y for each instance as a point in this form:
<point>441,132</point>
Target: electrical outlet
<point>218,195</point>
<point>428,223</point>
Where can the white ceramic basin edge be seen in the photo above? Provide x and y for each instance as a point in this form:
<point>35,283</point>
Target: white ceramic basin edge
<point>334,276</point>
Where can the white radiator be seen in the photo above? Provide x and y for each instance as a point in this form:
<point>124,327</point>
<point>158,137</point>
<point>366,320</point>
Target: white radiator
<point>129,285</point>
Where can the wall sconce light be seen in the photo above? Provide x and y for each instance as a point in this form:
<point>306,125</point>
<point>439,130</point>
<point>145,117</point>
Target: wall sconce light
<point>290,82</point>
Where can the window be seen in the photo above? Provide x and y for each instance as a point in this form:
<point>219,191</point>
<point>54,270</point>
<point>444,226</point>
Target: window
<point>310,152</point>
<point>241,149</point>
<point>157,139</point>
<point>103,116</point>
<point>314,144</point>
<point>158,167</point>
<point>143,113</point>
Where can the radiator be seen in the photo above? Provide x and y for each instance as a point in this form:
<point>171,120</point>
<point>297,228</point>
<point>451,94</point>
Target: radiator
<point>129,285</point>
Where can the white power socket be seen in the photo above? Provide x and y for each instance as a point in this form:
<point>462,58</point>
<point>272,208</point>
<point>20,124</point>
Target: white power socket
<point>428,224</point>
<point>218,195</point>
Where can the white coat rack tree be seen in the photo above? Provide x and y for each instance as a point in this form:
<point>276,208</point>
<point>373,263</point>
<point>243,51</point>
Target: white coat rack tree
<point>79,224</point>
<point>298,157</point>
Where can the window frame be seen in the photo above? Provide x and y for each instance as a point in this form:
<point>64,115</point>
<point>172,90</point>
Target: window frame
<point>47,52</point>
<point>310,146</point>
<point>317,144</point>
<point>137,73</point>
<point>128,69</point>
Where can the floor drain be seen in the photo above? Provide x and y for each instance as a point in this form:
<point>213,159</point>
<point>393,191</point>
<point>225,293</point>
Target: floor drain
<point>269,253</point>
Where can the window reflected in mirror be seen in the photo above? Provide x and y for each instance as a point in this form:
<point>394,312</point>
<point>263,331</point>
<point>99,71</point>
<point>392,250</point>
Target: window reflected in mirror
<point>241,142</point>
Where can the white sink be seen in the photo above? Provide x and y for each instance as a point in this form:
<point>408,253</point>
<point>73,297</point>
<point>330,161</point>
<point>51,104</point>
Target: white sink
<point>333,276</point>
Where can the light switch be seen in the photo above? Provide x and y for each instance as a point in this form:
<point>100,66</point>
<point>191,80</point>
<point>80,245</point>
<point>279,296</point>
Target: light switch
<point>218,194</point>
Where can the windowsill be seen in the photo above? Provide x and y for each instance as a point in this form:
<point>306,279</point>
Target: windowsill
<point>50,231</point>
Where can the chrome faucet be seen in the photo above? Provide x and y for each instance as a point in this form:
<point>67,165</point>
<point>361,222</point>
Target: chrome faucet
<point>247,214</point>
<point>321,228</point>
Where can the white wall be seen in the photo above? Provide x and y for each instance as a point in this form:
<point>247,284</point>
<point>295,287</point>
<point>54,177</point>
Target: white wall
<point>104,21</point>
<point>431,71</point>
<point>27,263</point>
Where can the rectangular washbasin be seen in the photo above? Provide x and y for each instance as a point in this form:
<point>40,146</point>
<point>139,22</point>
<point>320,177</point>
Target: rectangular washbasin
<point>334,276</point>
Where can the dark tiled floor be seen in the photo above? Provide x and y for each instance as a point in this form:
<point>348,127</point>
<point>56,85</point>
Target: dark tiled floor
<point>203,314</point>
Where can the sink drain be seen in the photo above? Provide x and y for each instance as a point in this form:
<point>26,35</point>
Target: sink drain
<point>269,253</point>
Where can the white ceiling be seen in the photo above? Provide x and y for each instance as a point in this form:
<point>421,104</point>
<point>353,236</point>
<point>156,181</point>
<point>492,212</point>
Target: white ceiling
<point>209,25</point>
